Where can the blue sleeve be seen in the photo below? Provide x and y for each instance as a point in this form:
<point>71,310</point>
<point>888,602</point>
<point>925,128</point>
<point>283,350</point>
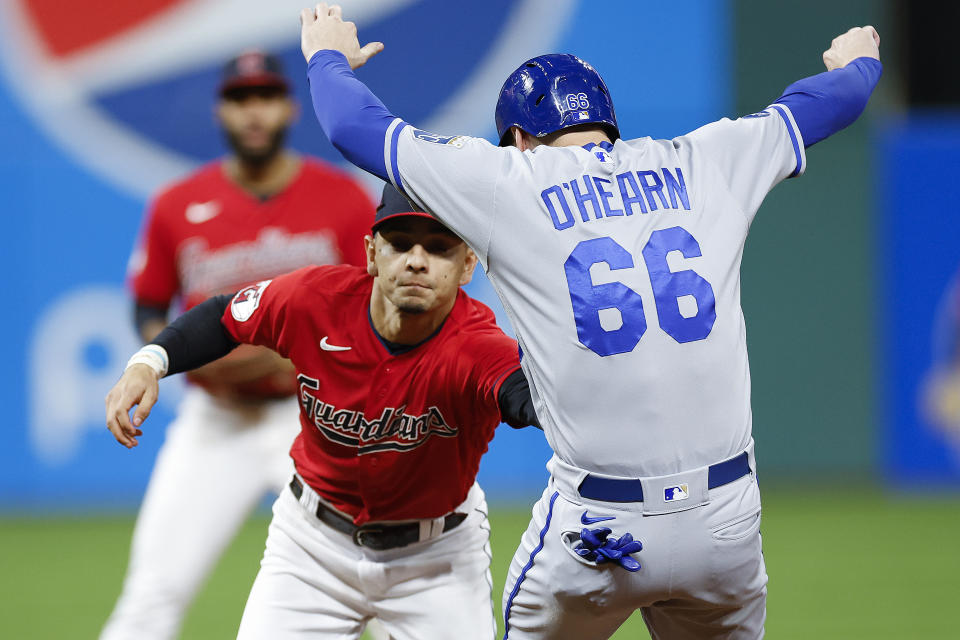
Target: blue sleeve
<point>352,117</point>
<point>827,102</point>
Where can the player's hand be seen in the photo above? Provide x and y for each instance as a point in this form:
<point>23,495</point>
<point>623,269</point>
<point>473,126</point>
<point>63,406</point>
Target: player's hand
<point>137,387</point>
<point>858,42</point>
<point>323,28</point>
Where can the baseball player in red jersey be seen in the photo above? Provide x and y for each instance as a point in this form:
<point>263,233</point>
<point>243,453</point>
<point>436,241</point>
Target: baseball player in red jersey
<point>256,213</point>
<point>402,379</point>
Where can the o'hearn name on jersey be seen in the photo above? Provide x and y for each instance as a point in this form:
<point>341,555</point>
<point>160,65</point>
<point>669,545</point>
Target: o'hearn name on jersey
<point>634,191</point>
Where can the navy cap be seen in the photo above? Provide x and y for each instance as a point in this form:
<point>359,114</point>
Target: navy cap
<point>394,205</point>
<point>253,68</point>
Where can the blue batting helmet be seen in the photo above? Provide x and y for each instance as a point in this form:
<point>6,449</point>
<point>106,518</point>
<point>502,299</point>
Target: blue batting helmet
<point>552,92</point>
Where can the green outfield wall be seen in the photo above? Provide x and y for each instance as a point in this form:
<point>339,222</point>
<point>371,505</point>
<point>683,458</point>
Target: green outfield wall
<point>808,277</point>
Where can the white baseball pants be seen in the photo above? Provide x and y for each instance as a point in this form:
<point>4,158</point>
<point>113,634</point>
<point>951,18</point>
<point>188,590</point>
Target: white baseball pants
<point>314,582</point>
<point>702,573</point>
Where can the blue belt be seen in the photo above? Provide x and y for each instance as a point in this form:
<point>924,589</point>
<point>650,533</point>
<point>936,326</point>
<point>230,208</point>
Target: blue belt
<point>631,489</point>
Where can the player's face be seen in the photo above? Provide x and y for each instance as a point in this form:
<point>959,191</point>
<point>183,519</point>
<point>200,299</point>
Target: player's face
<point>256,120</point>
<point>419,264</point>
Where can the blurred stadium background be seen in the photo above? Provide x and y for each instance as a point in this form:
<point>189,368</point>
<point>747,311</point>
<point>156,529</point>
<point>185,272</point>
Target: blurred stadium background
<point>846,283</point>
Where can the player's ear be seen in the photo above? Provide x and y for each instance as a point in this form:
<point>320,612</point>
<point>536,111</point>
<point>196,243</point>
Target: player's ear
<point>517,134</point>
<point>523,140</point>
<point>469,264</point>
<point>369,246</point>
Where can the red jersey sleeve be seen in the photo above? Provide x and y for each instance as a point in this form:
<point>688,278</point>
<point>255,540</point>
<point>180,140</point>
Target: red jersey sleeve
<point>359,212</point>
<point>152,270</point>
<point>492,356</point>
<point>263,313</point>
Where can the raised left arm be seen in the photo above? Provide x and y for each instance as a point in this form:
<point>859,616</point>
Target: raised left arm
<point>828,102</point>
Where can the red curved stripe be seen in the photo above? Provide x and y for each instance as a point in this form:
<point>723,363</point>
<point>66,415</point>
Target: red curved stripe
<point>68,27</point>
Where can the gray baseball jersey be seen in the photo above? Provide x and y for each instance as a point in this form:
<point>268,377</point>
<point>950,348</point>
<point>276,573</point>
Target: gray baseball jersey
<point>619,267</point>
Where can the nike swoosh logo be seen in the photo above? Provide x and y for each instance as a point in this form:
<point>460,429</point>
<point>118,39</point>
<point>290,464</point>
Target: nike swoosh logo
<point>200,212</point>
<point>585,519</point>
<point>326,346</point>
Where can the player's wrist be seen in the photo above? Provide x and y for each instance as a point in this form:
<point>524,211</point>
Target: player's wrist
<point>325,55</point>
<point>152,355</point>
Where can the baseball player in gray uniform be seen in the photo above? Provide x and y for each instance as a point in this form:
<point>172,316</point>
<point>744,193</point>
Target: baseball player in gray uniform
<point>618,263</point>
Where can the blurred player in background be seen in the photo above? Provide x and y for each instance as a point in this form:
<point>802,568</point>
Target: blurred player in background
<point>403,380</point>
<point>258,212</point>
<point>940,401</point>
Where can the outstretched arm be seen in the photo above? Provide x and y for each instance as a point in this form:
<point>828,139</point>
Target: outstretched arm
<point>194,339</point>
<point>354,119</point>
<point>828,102</point>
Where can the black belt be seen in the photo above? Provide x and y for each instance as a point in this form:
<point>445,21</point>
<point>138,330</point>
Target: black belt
<point>631,489</point>
<point>379,536</point>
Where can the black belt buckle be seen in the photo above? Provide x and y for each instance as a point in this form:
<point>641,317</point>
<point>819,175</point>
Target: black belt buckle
<point>361,533</point>
<point>373,537</point>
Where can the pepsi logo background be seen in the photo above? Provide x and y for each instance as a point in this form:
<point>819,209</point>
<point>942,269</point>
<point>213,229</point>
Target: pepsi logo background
<point>128,87</point>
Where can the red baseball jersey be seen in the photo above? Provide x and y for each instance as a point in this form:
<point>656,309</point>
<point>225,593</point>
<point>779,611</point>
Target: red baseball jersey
<point>205,235</point>
<point>384,437</point>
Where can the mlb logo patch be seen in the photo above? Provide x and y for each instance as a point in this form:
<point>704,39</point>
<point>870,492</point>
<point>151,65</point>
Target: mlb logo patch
<point>583,115</point>
<point>674,494</point>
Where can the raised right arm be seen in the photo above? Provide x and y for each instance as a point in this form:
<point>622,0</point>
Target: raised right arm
<point>354,119</point>
<point>452,177</point>
<point>351,115</point>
